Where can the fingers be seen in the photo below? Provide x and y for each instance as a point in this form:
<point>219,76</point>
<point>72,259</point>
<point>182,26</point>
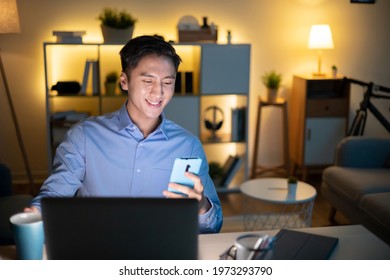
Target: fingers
<point>195,192</point>
<point>31,209</point>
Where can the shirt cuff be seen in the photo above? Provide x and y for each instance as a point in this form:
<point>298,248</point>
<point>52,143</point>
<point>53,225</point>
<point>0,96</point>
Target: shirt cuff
<point>209,221</point>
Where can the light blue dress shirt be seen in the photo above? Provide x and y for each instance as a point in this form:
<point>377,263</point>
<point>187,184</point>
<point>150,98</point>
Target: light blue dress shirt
<point>109,156</point>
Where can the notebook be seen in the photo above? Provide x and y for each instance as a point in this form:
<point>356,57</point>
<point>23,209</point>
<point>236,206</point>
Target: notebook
<point>120,228</point>
<point>296,245</point>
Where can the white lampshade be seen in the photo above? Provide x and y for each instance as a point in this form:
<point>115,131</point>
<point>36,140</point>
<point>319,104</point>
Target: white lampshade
<point>320,37</point>
<point>9,18</point>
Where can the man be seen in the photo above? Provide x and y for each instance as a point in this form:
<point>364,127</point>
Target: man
<point>131,152</point>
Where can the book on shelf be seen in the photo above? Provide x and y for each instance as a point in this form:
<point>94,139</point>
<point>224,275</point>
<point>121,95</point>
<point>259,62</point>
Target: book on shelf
<point>95,78</point>
<point>93,74</point>
<point>75,37</point>
<point>229,170</point>
<point>84,84</point>
<point>238,124</point>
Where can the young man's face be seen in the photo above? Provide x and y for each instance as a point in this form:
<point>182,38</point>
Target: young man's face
<point>150,87</point>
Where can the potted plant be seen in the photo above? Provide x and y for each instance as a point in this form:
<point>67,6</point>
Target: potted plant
<point>111,82</point>
<point>292,185</point>
<point>117,26</point>
<point>334,70</point>
<point>215,172</point>
<point>272,81</point>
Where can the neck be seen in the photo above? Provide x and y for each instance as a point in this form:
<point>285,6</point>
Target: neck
<point>148,126</point>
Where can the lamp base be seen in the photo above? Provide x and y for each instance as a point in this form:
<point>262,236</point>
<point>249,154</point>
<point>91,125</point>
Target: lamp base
<point>319,74</point>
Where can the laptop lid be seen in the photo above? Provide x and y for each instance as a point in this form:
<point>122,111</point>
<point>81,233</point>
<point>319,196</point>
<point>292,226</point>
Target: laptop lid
<point>120,228</point>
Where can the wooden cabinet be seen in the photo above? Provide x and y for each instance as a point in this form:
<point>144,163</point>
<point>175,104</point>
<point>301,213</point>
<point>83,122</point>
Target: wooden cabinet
<point>212,75</point>
<point>318,120</point>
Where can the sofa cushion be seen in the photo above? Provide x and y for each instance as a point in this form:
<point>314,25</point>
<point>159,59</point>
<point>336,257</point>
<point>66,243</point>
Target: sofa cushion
<point>377,207</point>
<point>354,183</point>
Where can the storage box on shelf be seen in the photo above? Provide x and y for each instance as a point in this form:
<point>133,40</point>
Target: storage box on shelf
<point>210,75</point>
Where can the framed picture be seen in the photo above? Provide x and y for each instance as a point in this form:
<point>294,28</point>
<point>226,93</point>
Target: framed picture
<point>363,1</point>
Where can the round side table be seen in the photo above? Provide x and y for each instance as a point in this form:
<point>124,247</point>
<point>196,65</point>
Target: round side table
<point>269,205</point>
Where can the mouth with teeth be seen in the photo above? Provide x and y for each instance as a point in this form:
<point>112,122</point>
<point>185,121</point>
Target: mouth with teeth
<point>153,103</point>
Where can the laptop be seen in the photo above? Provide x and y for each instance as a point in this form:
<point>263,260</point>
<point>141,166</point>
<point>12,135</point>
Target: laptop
<point>120,228</point>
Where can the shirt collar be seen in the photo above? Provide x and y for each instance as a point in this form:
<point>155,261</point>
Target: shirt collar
<point>126,122</point>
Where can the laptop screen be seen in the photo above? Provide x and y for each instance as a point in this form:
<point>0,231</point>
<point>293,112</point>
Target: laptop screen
<point>120,228</point>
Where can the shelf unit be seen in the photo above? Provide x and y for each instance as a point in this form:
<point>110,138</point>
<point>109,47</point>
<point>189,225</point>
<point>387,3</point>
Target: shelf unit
<point>219,77</point>
<point>318,120</point>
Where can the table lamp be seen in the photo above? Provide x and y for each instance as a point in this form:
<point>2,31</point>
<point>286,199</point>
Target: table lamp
<point>320,38</point>
<point>9,23</point>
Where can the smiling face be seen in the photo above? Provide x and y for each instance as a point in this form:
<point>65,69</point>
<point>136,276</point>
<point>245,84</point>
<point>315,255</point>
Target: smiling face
<point>150,87</point>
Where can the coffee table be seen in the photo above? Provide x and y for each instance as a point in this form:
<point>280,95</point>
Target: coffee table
<point>269,205</point>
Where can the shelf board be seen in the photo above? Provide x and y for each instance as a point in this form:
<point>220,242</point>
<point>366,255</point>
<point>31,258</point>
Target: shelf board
<point>77,95</point>
<point>222,138</point>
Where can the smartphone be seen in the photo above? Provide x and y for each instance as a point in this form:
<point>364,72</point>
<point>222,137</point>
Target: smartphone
<point>180,166</point>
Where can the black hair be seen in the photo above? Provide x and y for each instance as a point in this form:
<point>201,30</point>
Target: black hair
<point>139,47</point>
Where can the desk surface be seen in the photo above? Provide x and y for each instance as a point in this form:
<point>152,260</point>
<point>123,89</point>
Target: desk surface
<point>274,190</point>
<point>355,243</point>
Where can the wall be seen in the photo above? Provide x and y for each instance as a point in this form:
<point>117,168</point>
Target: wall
<point>278,31</point>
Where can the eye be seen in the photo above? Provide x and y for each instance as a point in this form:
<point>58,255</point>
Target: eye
<point>148,81</point>
<point>168,82</point>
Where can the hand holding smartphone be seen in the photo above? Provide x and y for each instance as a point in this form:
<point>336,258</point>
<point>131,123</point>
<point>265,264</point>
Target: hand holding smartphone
<point>180,166</point>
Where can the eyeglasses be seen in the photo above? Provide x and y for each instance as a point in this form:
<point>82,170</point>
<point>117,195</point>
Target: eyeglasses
<point>251,247</point>
<point>229,254</point>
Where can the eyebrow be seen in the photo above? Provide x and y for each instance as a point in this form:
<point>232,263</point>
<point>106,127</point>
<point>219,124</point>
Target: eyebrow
<point>145,74</point>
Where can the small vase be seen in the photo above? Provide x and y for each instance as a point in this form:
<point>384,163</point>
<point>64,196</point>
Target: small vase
<point>272,94</point>
<point>116,35</point>
<point>110,88</point>
<point>292,189</point>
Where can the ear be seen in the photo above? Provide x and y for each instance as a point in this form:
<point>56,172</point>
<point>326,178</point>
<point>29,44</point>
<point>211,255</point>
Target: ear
<point>124,81</point>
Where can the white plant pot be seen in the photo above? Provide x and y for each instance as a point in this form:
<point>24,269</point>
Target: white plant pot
<point>292,189</point>
<point>272,94</point>
<point>115,35</point>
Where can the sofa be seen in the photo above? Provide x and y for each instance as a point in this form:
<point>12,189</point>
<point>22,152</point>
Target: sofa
<point>10,204</point>
<point>358,184</point>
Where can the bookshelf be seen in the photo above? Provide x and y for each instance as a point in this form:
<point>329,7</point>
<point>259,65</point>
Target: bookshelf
<point>210,75</point>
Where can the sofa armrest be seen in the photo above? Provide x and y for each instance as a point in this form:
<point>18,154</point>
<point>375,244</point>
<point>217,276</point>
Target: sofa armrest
<point>363,152</point>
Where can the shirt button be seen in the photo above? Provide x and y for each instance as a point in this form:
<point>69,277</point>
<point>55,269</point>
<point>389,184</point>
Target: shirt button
<point>138,170</point>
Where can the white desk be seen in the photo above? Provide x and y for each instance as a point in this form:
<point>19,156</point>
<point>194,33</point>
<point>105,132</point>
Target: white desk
<point>355,243</point>
<point>288,210</point>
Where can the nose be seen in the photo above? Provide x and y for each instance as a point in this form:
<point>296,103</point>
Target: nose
<point>158,89</point>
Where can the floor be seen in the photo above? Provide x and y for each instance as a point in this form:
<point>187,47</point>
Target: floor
<point>232,207</point>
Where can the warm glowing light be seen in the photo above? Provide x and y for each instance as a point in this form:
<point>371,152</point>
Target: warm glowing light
<point>320,38</point>
<point>9,19</point>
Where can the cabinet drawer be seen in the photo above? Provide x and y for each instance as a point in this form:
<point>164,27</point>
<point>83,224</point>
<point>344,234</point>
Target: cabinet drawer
<point>336,107</point>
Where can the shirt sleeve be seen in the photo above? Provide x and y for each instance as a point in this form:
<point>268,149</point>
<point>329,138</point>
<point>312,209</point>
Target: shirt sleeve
<point>211,221</point>
<point>68,168</point>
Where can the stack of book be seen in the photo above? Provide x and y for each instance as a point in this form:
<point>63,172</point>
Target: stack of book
<point>229,170</point>
<point>69,37</point>
<point>94,64</point>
